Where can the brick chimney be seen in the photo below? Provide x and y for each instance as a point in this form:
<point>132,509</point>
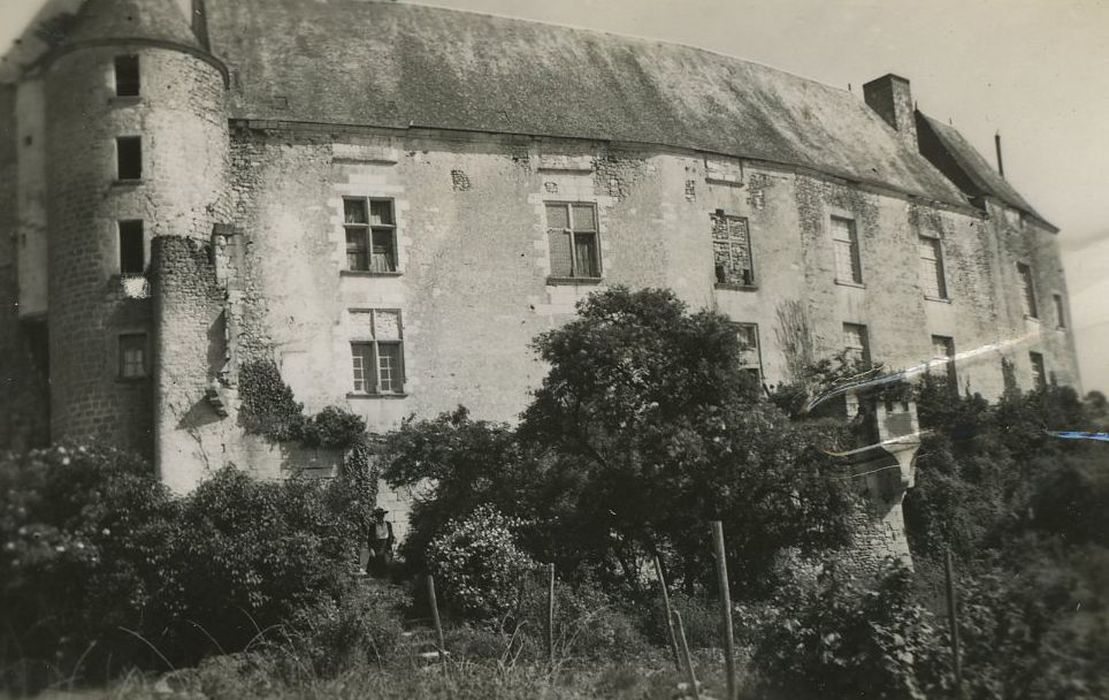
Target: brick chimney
<point>892,99</point>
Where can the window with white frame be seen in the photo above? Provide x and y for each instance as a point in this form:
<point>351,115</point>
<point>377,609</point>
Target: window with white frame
<point>943,358</point>
<point>371,230</point>
<point>856,342</point>
<point>750,358</point>
<point>1027,290</point>
<point>377,351</point>
<point>931,268</point>
<point>846,241</point>
<point>1039,376</point>
<point>132,356</point>
<point>1060,311</point>
<point>573,239</point>
<point>731,249</point>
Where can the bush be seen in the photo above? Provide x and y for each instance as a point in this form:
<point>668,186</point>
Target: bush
<point>477,564</point>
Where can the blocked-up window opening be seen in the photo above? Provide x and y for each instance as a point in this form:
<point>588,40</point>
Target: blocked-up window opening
<point>943,358</point>
<point>129,157</point>
<point>371,232</point>
<point>1060,311</point>
<point>856,342</point>
<point>848,265</point>
<point>127,76</point>
<point>731,250</point>
<point>573,239</point>
<point>931,268</point>
<point>1027,290</point>
<point>1039,376</point>
<point>750,358</point>
<point>132,356</point>
<point>377,351</point>
<point>131,248</point>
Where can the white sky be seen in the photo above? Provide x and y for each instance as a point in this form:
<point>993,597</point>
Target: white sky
<point>1035,70</point>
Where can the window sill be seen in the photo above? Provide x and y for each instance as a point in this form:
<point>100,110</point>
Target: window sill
<point>1033,319</point>
<point>118,182</point>
<point>361,395</point>
<point>369,273</point>
<point>124,100</point>
<point>845,283</point>
<point>941,300</point>
<point>574,280</point>
<point>736,287</point>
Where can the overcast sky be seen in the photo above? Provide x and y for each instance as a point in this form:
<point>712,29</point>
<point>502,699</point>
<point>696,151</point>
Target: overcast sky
<point>1035,70</point>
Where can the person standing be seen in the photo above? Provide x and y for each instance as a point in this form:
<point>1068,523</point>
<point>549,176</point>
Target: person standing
<point>380,542</point>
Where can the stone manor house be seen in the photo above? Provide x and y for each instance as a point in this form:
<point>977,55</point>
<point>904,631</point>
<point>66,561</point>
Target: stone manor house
<point>390,201</point>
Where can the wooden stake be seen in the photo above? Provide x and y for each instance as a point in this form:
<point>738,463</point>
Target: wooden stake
<point>550,615</point>
<point>669,619</point>
<point>435,616</point>
<point>691,677</point>
<point>953,623</point>
<point>725,606</point>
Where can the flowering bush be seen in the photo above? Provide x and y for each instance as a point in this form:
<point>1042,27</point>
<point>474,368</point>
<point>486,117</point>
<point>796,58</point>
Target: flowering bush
<point>477,564</point>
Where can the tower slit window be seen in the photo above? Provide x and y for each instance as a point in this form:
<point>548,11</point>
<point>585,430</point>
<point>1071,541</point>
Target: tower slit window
<point>127,76</point>
<point>731,250</point>
<point>573,238</point>
<point>377,352</point>
<point>1060,311</point>
<point>931,268</point>
<point>132,252</point>
<point>846,241</point>
<point>1039,376</point>
<point>1027,290</point>
<point>371,232</point>
<point>129,157</point>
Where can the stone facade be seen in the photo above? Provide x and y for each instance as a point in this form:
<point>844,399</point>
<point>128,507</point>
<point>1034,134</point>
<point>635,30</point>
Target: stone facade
<point>244,220</point>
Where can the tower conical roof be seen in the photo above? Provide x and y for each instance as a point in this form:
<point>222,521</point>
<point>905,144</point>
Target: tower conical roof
<point>160,20</point>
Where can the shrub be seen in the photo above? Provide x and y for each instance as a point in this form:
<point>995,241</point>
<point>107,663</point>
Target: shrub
<point>477,564</point>
<point>269,407</point>
<point>333,428</point>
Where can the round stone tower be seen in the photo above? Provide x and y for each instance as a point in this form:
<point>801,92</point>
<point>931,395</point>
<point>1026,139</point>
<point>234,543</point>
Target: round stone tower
<point>136,147</point>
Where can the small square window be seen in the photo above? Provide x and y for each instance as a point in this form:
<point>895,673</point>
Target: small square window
<point>377,352</point>
<point>848,264</point>
<point>127,76</point>
<point>129,157</point>
<point>572,239</point>
<point>132,356</point>
<point>371,234</point>
<point>132,253</point>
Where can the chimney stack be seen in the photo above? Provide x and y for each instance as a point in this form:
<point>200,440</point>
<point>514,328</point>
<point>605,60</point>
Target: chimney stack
<point>997,145</point>
<point>892,99</point>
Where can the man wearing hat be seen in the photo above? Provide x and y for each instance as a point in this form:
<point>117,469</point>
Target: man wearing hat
<point>380,542</point>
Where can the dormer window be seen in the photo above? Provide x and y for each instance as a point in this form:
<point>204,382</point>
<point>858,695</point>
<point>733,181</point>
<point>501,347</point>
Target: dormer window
<point>127,76</point>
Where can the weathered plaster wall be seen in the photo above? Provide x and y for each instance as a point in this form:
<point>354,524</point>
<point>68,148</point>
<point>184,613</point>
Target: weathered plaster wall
<point>184,153</point>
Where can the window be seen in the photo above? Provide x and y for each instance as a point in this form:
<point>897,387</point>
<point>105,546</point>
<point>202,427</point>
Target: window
<point>1060,311</point>
<point>1027,290</point>
<point>377,350</point>
<point>750,359</point>
<point>931,268</point>
<point>132,356</point>
<point>127,76</point>
<point>943,358</point>
<point>731,250</point>
<point>572,234</point>
<point>132,255</point>
<point>129,157</point>
<point>371,235</point>
<point>848,266</point>
<point>856,342</point>
<point>1039,376</point>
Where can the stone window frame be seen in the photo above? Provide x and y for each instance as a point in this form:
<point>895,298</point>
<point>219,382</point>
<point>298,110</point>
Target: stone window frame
<point>946,361</point>
<point>132,224</point>
<point>129,138</point>
<point>373,344</point>
<point>368,229</point>
<point>938,270</point>
<point>122,362</point>
<point>854,251</point>
<point>1029,301</point>
<point>127,86</point>
<point>1039,369</point>
<point>863,347</point>
<point>1060,311</point>
<point>740,327</point>
<point>751,282</point>
<point>572,230</point>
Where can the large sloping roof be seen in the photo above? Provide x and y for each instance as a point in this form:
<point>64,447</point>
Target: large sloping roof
<point>980,176</point>
<point>397,65</point>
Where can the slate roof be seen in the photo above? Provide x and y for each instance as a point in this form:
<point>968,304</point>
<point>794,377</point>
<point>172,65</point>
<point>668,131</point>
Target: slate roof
<point>398,65</point>
<point>980,178</point>
<point>160,20</point>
